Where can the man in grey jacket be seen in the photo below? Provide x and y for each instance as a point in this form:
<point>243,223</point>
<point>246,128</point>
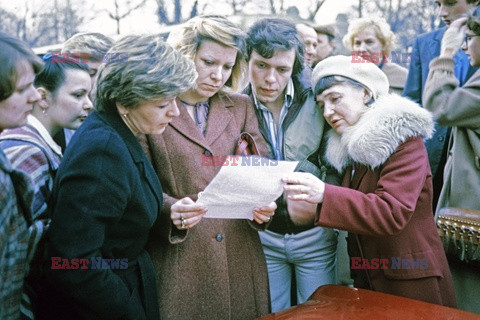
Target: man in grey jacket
<point>293,127</point>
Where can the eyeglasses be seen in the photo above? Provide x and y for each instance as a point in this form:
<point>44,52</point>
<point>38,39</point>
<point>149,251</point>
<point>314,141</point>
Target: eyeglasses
<point>469,37</point>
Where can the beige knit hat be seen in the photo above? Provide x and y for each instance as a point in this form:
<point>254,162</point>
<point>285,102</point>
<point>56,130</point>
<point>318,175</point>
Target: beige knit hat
<point>356,68</point>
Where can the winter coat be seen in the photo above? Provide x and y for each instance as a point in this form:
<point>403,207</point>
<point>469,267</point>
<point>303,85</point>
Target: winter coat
<point>387,206</point>
<point>31,150</point>
<point>216,270</point>
<point>396,75</point>
<point>16,196</point>
<point>459,108</point>
<point>105,200</point>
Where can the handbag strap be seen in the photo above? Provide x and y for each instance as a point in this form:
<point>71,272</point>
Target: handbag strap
<point>246,145</point>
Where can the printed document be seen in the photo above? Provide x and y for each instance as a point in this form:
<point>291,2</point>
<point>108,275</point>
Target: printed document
<point>242,184</point>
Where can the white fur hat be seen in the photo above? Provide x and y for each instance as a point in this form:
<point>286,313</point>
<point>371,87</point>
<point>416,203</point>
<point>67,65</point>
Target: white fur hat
<point>356,68</point>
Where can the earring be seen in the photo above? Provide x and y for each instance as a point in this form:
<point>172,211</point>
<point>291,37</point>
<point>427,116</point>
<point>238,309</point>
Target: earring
<point>44,111</point>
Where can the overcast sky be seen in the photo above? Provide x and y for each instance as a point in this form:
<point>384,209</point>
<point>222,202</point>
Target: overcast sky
<point>144,19</point>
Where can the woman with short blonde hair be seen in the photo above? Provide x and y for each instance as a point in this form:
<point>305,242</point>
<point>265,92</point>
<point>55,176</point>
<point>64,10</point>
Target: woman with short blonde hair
<point>373,40</point>
<point>379,25</point>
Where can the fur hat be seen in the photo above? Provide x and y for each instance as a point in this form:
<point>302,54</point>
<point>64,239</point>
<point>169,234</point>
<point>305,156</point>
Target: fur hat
<point>355,68</point>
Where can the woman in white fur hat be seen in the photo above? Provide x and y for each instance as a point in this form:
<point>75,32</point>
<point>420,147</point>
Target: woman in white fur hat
<point>385,201</point>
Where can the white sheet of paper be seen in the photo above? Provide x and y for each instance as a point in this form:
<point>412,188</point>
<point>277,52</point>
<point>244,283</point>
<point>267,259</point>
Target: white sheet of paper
<point>242,184</point>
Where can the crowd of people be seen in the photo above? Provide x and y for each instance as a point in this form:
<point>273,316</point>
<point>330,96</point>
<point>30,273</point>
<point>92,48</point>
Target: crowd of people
<point>100,167</point>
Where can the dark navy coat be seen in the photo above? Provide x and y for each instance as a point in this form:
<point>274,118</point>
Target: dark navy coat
<point>106,199</point>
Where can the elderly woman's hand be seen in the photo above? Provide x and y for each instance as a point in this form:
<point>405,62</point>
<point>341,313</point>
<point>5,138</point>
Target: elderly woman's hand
<point>304,186</point>
<point>185,213</point>
<point>302,213</point>
<point>264,214</point>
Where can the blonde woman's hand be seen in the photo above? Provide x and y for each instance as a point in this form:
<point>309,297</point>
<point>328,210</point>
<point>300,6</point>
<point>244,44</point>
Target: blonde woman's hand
<point>185,213</point>
<point>304,186</point>
<point>264,214</point>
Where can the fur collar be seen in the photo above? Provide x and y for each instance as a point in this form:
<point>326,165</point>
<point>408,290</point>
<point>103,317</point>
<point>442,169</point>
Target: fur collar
<point>388,122</point>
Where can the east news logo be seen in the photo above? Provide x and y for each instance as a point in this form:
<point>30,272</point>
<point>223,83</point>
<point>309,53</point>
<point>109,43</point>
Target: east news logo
<point>92,263</point>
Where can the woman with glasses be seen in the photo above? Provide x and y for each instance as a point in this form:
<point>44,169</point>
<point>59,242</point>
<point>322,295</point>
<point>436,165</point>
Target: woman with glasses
<point>459,108</point>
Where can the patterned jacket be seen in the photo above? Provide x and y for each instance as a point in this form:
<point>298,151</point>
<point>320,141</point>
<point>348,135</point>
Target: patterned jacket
<point>31,150</point>
<point>15,200</point>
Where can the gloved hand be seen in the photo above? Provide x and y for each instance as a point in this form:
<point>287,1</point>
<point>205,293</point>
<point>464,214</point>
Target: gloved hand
<point>453,38</point>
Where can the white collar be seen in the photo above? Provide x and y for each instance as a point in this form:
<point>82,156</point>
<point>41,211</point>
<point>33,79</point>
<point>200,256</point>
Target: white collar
<point>35,123</point>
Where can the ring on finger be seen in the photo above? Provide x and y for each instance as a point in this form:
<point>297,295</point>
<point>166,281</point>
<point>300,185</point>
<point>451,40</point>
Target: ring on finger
<point>182,222</point>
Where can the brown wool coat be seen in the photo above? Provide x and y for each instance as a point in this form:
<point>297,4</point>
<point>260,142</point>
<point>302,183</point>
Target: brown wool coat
<point>217,269</point>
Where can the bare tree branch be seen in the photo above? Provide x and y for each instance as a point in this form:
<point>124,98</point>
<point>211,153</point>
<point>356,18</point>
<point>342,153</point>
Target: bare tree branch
<point>407,18</point>
<point>117,16</point>
<point>164,8</point>
<point>313,12</point>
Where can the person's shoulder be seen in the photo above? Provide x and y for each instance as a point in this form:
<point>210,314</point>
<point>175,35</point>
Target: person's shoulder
<point>392,66</point>
<point>396,74</point>
<point>95,134</point>
<point>96,128</point>
<point>437,33</point>
<point>22,145</point>
<point>234,99</point>
<point>238,103</point>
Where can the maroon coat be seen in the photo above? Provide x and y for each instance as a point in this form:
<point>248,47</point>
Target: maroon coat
<point>217,269</point>
<point>387,205</point>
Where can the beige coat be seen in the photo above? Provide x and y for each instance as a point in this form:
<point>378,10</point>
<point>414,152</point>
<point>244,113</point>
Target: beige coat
<point>396,75</point>
<point>217,269</point>
<point>459,108</point>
